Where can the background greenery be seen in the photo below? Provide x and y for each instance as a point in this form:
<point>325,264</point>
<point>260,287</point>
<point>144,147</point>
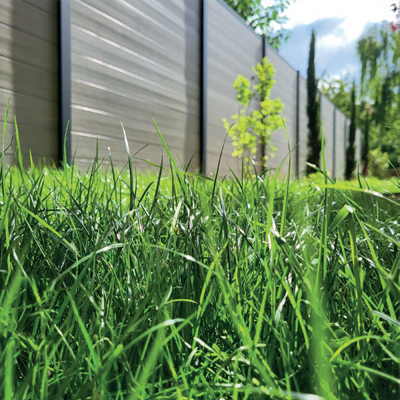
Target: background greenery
<point>378,94</point>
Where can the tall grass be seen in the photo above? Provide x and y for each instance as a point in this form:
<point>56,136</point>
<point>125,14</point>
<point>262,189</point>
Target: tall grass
<point>116,286</point>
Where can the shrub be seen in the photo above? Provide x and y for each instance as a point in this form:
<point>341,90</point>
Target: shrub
<point>378,163</point>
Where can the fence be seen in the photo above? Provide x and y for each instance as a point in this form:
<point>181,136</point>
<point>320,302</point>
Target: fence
<point>98,63</point>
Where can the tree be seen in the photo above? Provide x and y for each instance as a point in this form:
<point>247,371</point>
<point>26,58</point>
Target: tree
<point>351,151</point>
<point>268,20</point>
<point>365,120</point>
<point>252,130</point>
<point>313,111</point>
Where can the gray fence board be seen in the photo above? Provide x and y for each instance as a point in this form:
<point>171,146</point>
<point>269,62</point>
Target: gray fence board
<point>36,132</point>
<point>96,73</point>
<point>148,40</point>
<point>358,146</point>
<point>26,49</point>
<point>114,81</point>
<point>151,80</point>
<point>27,19</point>
<point>37,112</point>
<point>91,121</point>
<point>28,64</point>
<point>340,136</point>
<point>303,145</point>
<point>122,107</point>
<point>124,104</point>
<point>47,6</point>
<point>31,81</point>
<point>327,109</point>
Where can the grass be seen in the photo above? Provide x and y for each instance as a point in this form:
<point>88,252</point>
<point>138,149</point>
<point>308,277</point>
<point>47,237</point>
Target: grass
<point>177,286</point>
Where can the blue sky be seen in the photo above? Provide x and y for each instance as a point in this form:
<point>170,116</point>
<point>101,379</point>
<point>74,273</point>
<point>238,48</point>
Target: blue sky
<point>338,24</point>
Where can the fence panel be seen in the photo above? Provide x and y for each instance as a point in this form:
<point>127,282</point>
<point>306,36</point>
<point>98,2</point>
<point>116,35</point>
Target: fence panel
<point>233,49</point>
<point>303,145</point>
<point>358,145</point>
<point>132,62</point>
<point>327,109</point>
<point>29,76</point>
<point>346,140</point>
<point>340,139</point>
<point>286,90</point>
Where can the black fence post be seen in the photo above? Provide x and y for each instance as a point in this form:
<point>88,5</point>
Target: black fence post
<point>203,85</point>
<point>298,124</point>
<point>264,47</point>
<point>334,143</point>
<point>64,80</point>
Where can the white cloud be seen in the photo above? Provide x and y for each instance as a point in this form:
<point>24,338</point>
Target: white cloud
<point>356,13</point>
<point>331,40</point>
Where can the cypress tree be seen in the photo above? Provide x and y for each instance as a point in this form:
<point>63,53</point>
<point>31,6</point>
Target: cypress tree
<point>350,152</point>
<point>313,111</point>
<point>365,142</point>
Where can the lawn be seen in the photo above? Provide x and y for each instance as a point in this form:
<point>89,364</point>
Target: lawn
<point>177,286</point>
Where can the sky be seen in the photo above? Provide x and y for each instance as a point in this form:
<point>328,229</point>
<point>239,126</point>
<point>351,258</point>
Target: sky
<point>338,25</point>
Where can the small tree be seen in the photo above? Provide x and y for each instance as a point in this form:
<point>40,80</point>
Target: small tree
<point>313,112</point>
<point>252,130</point>
<point>351,152</point>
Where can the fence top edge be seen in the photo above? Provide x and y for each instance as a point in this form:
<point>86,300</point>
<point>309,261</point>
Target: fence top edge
<point>237,16</point>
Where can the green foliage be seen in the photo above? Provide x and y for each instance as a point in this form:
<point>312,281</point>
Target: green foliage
<point>339,92</point>
<point>244,93</point>
<point>313,112</point>
<point>379,54</point>
<point>252,129</point>
<point>379,93</point>
<point>177,286</point>
<point>351,150</point>
<point>393,153</point>
<point>378,163</point>
<point>269,20</point>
